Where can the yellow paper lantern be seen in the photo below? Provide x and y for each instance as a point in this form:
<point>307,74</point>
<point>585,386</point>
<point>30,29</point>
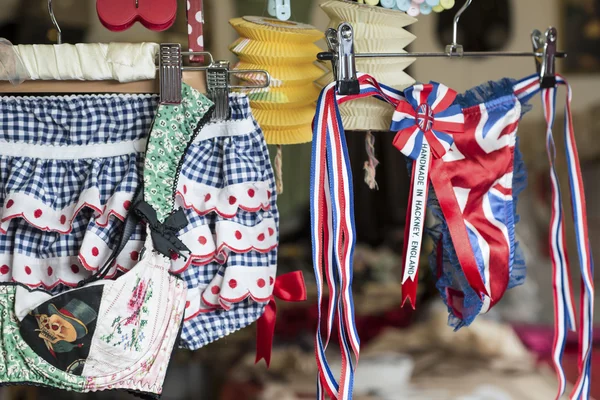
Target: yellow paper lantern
<point>288,52</point>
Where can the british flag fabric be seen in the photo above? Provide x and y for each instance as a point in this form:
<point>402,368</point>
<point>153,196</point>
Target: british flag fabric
<point>475,184</point>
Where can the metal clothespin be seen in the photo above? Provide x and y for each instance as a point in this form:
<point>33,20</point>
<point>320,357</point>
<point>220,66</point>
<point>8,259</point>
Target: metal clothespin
<point>280,9</point>
<point>546,64</point>
<point>170,69</point>
<point>217,82</point>
<point>342,57</point>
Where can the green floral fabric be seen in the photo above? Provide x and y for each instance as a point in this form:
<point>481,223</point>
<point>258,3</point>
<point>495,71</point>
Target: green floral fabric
<point>18,362</point>
<point>174,128</point>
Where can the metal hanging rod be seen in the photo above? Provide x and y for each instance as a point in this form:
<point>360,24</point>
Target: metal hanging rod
<point>328,56</point>
<point>343,58</point>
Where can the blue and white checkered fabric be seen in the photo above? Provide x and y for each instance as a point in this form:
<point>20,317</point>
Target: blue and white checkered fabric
<point>59,122</point>
<point>76,120</point>
<point>227,161</point>
<point>58,183</point>
<point>69,121</point>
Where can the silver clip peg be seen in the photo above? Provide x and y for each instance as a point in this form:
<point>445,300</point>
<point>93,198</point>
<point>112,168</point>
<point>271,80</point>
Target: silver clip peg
<point>545,46</point>
<point>170,66</point>
<point>217,82</point>
<point>346,62</point>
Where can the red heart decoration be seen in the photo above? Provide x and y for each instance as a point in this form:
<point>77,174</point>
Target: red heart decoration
<point>119,15</point>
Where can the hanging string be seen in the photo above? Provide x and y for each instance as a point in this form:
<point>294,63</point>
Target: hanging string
<point>279,169</point>
<point>372,163</point>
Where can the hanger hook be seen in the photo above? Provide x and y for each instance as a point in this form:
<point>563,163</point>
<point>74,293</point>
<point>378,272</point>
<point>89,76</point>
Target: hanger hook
<point>456,19</point>
<point>53,18</point>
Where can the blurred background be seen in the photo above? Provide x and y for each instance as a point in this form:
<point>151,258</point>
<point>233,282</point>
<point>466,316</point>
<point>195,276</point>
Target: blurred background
<point>408,354</point>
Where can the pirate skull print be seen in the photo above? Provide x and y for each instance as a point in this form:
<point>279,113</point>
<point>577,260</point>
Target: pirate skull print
<point>61,329</point>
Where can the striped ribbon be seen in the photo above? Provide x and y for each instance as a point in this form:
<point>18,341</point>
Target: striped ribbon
<point>564,309</point>
<point>333,232</point>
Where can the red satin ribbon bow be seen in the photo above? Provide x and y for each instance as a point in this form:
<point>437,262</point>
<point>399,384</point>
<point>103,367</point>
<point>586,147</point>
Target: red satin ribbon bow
<point>288,287</point>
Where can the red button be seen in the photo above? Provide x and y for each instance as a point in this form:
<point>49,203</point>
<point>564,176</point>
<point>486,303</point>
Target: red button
<point>232,283</point>
<point>271,231</point>
<point>207,197</point>
<point>238,235</point>
<point>261,237</point>
<point>134,255</point>
<point>187,304</point>
<point>271,280</point>
<point>95,252</point>
<point>27,270</point>
<point>261,283</point>
<point>9,204</point>
<point>251,192</point>
<point>38,213</point>
<point>4,270</point>
<point>50,271</point>
<point>216,290</point>
<point>232,200</point>
<point>63,219</point>
<point>184,189</point>
<point>75,268</point>
<point>127,204</point>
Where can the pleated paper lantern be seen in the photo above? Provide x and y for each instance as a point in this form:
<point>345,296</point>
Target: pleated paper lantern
<point>376,30</point>
<point>288,51</point>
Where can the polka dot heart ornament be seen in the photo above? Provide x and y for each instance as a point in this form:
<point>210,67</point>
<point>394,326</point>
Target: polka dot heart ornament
<point>120,15</point>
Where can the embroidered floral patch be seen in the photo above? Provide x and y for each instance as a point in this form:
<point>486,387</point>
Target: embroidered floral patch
<point>173,130</point>
<point>128,331</point>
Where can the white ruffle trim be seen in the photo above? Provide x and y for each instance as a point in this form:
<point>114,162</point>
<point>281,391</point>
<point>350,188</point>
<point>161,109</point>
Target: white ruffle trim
<point>49,273</point>
<point>203,199</point>
<point>42,216</point>
<point>236,285</point>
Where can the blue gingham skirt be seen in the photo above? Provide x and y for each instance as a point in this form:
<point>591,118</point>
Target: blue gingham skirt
<point>69,168</point>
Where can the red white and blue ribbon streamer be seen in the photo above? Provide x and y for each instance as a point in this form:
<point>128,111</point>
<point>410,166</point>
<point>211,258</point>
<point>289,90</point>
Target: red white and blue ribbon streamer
<point>333,232</point>
<point>563,297</point>
<point>425,121</point>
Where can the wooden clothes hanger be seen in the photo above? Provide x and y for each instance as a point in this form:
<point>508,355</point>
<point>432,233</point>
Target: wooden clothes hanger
<point>166,81</point>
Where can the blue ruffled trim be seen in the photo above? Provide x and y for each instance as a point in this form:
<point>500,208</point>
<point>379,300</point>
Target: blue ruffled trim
<point>518,271</point>
<point>490,91</point>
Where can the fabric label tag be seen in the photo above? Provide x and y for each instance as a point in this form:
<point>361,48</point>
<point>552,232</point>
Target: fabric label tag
<point>417,216</point>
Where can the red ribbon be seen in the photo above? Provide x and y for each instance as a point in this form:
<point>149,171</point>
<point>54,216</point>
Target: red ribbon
<point>288,287</point>
<point>458,231</point>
